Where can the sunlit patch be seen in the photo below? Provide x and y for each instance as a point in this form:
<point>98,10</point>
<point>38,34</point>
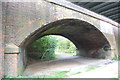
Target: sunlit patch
<point>31,21</point>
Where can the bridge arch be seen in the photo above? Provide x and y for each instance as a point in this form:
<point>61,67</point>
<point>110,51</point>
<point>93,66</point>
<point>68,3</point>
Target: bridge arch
<point>87,38</point>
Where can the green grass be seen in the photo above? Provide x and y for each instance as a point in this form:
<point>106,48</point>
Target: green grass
<point>89,68</point>
<point>116,58</point>
<point>115,79</point>
<point>76,73</point>
<point>60,74</point>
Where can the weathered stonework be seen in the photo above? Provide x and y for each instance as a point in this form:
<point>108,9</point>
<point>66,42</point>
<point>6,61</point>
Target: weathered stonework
<point>1,44</point>
<point>37,16</point>
<point>24,22</point>
<point>10,48</point>
<point>11,64</point>
<point>11,59</point>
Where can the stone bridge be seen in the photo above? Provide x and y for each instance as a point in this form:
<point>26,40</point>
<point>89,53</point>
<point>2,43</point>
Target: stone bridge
<point>25,22</point>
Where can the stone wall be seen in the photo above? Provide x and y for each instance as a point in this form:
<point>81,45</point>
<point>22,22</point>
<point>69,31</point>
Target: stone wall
<point>23,19</point>
<point>119,41</point>
<point>11,64</point>
<point>1,44</point>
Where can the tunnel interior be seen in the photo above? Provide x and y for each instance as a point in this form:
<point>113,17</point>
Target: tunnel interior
<point>51,47</point>
<point>90,42</point>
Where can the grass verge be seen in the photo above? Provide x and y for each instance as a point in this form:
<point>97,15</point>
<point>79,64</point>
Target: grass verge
<point>60,74</point>
<point>89,68</point>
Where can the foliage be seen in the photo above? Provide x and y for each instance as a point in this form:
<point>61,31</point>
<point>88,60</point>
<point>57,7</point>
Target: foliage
<point>116,58</point>
<point>64,45</point>
<point>43,48</point>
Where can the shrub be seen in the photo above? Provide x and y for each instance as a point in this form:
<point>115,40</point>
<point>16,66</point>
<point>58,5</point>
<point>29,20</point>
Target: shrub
<point>43,48</point>
<point>64,45</point>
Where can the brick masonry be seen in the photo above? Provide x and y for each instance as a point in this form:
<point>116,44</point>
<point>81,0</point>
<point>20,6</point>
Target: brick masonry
<point>1,45</point>
<point>11,64</point>
<point>23,19</point>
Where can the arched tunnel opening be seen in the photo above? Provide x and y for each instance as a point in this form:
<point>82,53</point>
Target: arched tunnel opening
<point>89,41</point>
<point>50,47</point>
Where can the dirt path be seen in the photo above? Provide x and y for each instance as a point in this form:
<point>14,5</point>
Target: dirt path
<point>75,65</point>
<point>63,56</point>
<point>108,71</point>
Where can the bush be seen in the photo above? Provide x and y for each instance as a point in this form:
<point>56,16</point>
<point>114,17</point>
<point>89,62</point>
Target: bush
<point>43,48</point>
<point>64,45</point>
<point>116,58</point>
